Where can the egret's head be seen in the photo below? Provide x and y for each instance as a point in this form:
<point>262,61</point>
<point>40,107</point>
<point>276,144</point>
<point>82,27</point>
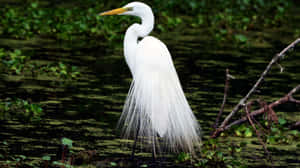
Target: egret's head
<point>133,9</point>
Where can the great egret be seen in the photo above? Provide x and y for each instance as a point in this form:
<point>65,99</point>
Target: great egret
<point>156,105</point>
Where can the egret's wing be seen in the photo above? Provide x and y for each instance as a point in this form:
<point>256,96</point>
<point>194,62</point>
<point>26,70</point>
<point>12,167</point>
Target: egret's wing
<point>156,103</point>
<point>155,73</point>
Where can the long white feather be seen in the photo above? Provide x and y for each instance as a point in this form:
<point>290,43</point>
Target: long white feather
<point>156,104</point>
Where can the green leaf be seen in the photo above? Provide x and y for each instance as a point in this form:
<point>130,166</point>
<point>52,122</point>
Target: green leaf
<point>114,164</point>
<point>46,157</point>
<point>18,52</point>
<point>295,132</point>
<point>271,140</point>
<point>182,157</point>
<point>241,38</point>
<point>238,133</point>
<point>238,149</point>
<point>67,142</point>
<point>281,121</point>
<point>58,163</point>
<point>274,129</point>
<point>34,5</point>
<point>248,133</point>
<point>220,155</point>
<point>22,157</point>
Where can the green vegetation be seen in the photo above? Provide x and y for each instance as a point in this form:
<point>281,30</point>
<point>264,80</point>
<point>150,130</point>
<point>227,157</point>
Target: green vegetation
<point>217,153</point>
<point>45,161</point>
<point>281,134</point>
<point>21,110</point>
<point>226,20</point>
<point>213,156</point>
<point>272,133</point>
<point>15,62</point>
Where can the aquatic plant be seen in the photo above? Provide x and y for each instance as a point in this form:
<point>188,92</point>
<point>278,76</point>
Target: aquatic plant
<point>213,155</point>
<point>224,18</point>
<point>61,70</point>
<point>14,61</point>
<point>20,109</point>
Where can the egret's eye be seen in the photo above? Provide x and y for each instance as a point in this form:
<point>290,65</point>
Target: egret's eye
<point>129,8</point>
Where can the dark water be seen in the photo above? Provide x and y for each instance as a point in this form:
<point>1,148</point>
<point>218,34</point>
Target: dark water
<point>87,111</point>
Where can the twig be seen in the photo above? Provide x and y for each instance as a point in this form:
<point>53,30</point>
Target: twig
<point>261,78</point>
<point>285,99</point>
<point>224,98</point>
<point>256,131</point>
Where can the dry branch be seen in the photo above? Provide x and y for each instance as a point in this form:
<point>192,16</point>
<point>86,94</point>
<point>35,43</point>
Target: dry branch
<point>256,131</point>
<point>228,77</point>
<point>225,125</point>
<point>287,98</point>
<point>253,89</point>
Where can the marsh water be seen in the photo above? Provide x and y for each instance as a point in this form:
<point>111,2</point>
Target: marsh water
<point>87,110</point>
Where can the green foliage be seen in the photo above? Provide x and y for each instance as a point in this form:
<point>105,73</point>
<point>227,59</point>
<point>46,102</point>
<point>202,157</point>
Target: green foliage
<point>280,134</point>
<point>182,157</point>
<point>244,131</point>
<point>224,18</point>
<point>240,38</point>
<point>9,160</point>
<point>67,142</point>
<point>66,165</point>
<point>212,156</point>
<point>281,121</point>
<point>277,133</point>
<point>62,23</point>
<point>61,70</point>
<point>21,109</point>
<point>113,164</point>
<point>14,61</point>
<point>47,158</point>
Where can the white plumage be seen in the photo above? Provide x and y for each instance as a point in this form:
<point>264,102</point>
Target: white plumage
<point>156,105</point>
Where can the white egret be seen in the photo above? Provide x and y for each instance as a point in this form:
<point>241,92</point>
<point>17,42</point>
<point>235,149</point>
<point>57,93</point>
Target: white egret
<point>156,105</point>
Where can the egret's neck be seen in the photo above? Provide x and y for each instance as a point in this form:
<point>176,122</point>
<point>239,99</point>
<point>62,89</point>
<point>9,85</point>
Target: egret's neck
<point>131,38</point>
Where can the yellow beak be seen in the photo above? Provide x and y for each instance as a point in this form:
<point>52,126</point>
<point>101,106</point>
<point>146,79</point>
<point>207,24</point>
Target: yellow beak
<point>114,12</point>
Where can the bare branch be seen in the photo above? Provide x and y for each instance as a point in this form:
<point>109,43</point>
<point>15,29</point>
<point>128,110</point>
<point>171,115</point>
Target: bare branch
<point>256,131</point>
<point>261,78</point>
<point>285,99</point>
<point>228,76</point>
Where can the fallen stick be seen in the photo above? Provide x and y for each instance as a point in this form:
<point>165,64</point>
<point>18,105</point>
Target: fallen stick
<point>261,78</point>
<point>287,98</point>
<point>258,133</point>
<point>228,77</point>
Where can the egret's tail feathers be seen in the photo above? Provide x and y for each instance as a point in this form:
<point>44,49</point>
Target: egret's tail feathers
<point>156,106</point>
